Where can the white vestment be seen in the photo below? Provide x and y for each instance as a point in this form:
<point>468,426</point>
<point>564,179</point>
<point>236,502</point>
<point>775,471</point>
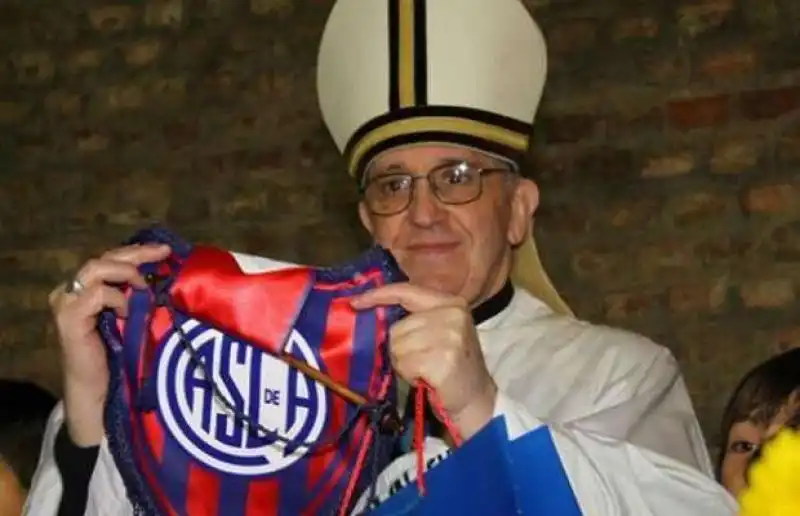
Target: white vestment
<point>616,404</point>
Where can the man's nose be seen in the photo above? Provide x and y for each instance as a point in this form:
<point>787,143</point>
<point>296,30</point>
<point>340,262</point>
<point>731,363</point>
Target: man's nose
<point>425,209</point>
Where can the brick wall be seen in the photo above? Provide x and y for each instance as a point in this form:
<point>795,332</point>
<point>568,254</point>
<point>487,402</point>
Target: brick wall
<point>668,146</point>
<point>665,152</point>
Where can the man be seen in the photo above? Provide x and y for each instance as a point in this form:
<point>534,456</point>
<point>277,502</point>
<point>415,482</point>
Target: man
<point>431,103</point>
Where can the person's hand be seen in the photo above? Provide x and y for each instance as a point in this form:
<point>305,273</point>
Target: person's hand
<point>437,342</point>
<point>75,306</point>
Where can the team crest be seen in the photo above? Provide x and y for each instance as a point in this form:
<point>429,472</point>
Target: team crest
<point>273,394</point>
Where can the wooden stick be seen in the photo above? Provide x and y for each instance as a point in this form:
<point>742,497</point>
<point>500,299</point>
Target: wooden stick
<point>327,381</point>
<point>390,420</point>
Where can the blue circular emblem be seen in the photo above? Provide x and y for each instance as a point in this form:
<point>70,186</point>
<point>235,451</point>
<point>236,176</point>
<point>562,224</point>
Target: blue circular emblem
<point>259,385</point>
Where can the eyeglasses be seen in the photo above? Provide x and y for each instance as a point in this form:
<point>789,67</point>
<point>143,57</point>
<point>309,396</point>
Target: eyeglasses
<point>459,183</point>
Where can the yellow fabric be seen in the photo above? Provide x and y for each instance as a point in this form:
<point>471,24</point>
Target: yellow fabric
<point>775,479</point>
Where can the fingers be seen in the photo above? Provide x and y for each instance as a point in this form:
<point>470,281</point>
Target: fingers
<point>440,318</point>
<point>75,315</point>
<point>419,342</point>
<point>91,302</point>
<point>120,265</point>
<point>116,266</point>
<point>444,353</point>
<point>99,271</point>
<point>420,366</point>
<point>138,254</point>
<point>100,297</point>
<point>410,297</point>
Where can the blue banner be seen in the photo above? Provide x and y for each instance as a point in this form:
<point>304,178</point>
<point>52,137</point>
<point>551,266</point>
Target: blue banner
<point>491,475</point>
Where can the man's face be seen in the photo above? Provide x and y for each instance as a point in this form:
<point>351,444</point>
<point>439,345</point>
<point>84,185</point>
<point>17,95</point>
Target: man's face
<point>462,249</point>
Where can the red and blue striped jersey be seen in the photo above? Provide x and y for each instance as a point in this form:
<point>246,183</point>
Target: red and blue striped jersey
<point>206,415</point>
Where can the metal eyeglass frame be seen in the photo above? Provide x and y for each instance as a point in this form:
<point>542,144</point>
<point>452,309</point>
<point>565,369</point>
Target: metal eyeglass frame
<point>481,171</point>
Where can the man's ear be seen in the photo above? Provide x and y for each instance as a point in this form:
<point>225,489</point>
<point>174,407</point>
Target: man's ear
<point>366,219</point>
<point>523,205</point>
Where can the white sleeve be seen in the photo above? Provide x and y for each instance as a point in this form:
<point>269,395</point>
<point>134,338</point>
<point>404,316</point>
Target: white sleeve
<point>106,494</point>
<point>608,477</point>
<point>636,450</point>
<point>640,451</point>
<point>615,478</point>
<point>647,406</point>
<point>611,477</point>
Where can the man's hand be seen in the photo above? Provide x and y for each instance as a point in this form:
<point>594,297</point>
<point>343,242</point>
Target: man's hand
<point>437,342</point>
<point>84,361</point>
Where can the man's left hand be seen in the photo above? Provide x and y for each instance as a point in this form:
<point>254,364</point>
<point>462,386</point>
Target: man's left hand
<point>437,343</point>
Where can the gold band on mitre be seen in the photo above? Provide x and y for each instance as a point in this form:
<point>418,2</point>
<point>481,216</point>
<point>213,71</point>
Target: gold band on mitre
<point>479,130</point>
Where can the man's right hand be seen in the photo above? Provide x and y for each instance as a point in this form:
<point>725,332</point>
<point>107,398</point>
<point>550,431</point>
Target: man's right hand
<point>85,371</point>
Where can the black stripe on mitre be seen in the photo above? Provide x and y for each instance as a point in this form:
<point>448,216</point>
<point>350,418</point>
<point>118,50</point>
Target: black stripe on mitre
<point>485,131</point>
